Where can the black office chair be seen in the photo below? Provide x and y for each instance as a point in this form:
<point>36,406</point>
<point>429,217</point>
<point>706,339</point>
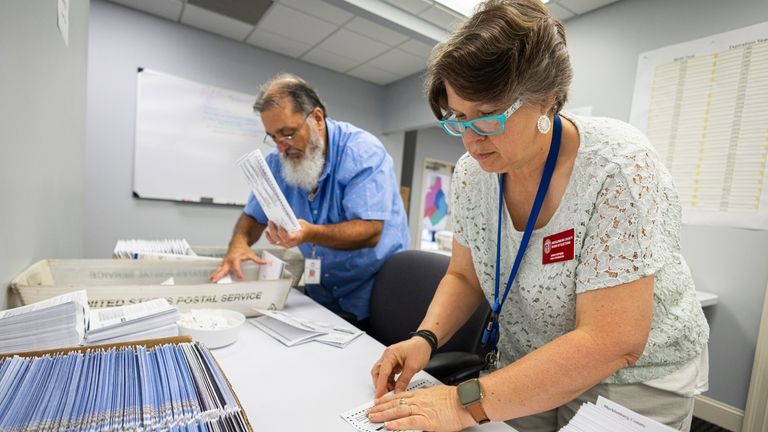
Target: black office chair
<point>401,294</point>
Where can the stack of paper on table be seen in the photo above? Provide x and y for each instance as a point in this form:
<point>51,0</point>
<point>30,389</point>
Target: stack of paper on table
<point>608,416</point>
<point>56,322</point>
<point>153,319</point>
<point>292,330</point>
<point>67,321</point>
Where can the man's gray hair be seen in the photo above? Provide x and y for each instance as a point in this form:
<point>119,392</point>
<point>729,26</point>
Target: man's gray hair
<point>300,93</point>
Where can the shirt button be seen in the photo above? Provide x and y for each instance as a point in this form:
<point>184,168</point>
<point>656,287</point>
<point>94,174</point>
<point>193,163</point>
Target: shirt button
<point>314,212</point>
<point>326,275</point>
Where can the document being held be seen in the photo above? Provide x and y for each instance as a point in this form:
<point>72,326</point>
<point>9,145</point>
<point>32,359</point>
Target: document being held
<point>266,191</point>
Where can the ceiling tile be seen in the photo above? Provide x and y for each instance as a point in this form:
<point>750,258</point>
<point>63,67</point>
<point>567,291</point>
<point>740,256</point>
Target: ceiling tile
<point>249,11</point>
<point>373,74</point>
<point>320,9</point>
<point>215,23</point>
<point>560,12</point>
<point>295,25</point>
<point>330,60</point>
<point>442,17</point>
<point>168,9</point>
<point>399,62</point>
<point>376,31</point>
<point>584,6</point>
<point>417,48</point>
<point>413,6</point>
<point>277,43</point>
<point>352,45</point>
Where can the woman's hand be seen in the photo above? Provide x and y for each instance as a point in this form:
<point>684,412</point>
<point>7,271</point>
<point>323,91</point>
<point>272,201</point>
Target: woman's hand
<point>433,409</point>
<point>404,358</point>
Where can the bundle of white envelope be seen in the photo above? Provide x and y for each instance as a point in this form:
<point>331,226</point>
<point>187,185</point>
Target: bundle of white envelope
<point>293,330</point>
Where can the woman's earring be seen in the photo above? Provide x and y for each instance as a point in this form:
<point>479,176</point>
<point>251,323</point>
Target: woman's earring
<point>543,124</point>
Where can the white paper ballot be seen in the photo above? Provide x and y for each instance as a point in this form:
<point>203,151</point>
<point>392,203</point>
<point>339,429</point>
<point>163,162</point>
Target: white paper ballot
<point>358,417</point>
<point>272,269</point>
<point>266,191</point>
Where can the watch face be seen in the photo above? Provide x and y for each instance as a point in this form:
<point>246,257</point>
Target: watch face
<point>469,392</point>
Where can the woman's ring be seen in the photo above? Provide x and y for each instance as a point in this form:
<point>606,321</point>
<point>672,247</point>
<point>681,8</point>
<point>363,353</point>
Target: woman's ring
<point>402,401</point>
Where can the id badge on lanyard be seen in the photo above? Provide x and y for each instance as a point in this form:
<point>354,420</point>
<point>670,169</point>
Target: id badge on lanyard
<point>312,269</point>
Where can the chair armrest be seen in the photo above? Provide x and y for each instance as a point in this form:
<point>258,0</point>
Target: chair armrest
<point>454,367</point>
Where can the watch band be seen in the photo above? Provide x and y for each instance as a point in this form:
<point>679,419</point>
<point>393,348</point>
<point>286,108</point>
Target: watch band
<point>471,396</point>
<point>477,412</point>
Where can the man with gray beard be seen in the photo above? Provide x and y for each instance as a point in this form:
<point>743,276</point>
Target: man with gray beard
<point>340,183</point>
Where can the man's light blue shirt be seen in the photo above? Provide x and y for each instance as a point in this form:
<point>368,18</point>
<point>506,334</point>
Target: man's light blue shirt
<point>358,182</point>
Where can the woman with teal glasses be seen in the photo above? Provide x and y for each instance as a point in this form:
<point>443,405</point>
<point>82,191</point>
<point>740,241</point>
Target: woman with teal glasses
<point>569,226</point>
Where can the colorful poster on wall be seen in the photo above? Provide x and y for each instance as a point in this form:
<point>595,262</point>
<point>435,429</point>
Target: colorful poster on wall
<point>435,202</point>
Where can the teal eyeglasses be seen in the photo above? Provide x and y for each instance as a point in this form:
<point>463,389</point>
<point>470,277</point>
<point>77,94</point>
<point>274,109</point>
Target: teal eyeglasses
<point>486,126</point>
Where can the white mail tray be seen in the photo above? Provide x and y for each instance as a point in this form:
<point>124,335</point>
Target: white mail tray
<point>111,282</point>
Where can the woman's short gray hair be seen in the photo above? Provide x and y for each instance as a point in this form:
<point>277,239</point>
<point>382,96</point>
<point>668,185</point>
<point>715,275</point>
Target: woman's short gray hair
<point>507,49</point>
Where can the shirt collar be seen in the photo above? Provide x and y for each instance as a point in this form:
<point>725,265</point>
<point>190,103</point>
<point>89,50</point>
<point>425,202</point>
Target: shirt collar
<point>330,144</point>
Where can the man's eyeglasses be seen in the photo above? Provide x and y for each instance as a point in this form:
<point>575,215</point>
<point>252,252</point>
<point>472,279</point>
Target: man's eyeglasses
<point>286,135</point>
<point>486,126</point>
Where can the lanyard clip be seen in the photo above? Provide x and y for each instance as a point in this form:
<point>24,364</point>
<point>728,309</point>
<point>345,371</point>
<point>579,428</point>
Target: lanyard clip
<point>492,360</point>
<point>490,328</point>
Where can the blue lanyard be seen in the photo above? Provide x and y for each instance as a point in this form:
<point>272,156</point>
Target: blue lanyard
<point>492,329</point>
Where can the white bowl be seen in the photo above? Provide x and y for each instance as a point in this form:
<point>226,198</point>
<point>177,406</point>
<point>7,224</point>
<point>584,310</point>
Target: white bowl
<point>214,328</point>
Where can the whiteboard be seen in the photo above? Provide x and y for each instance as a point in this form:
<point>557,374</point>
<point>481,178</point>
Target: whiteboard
<point>188,139</point>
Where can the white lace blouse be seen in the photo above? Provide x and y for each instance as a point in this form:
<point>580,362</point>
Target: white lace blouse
<point>625,212</point>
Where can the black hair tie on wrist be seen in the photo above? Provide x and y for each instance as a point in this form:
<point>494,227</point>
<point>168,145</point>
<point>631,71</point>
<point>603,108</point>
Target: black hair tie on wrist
<point>427,335</point>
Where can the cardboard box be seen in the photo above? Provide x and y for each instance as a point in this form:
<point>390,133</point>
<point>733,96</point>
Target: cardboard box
<point>147,343</point>
<point>111,283</point>
<point>293,258</point>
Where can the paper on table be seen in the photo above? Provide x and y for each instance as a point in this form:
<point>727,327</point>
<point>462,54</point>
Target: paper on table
<point>266,191</point>
<point>78,297</point>
<point>358,417</point>
<point>286,333</point>
<point>327,333</point>
<point>55,322</point>
<point>121,321</point>
<point>114,316</point>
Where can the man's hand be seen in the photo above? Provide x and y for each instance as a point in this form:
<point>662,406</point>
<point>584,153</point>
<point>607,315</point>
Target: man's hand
<point>237,253</point>
<point>277,235</point>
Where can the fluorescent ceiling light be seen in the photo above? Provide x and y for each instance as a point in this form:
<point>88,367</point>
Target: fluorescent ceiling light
<point>393,17</point>
<point>464,7</point>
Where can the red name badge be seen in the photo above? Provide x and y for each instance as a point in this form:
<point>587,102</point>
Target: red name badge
<point>558,247</point>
